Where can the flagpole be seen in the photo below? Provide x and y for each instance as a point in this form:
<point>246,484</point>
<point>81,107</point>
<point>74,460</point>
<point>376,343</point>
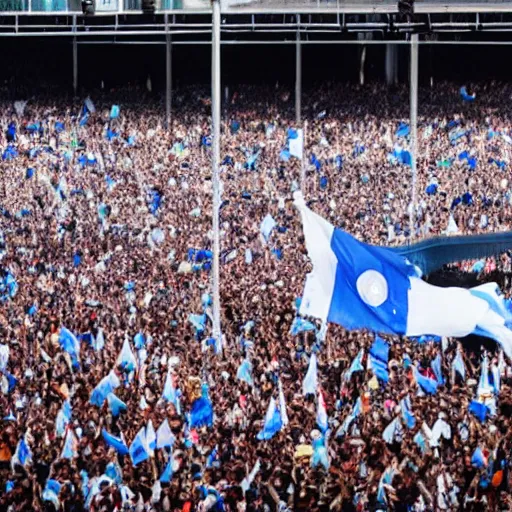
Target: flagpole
<point>168,75</point>
<point>303,163</point>
<point>216,119</point>
<point>298,76</point>
<point>414,127</point>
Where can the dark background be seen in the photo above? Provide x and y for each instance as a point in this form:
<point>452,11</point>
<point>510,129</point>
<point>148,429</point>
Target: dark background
<point>33,62</point>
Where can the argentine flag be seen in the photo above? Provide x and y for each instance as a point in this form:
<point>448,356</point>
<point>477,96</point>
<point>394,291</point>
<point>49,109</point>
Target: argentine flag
<point>361,286</point>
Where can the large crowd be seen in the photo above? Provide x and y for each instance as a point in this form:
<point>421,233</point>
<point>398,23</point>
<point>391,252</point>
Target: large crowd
<point>106,236</point>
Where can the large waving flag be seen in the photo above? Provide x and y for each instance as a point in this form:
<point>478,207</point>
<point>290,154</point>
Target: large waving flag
<point>361,286</point>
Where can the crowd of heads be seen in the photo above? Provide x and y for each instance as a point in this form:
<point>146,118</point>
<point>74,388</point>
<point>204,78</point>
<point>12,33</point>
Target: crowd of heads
<point>106,240</point>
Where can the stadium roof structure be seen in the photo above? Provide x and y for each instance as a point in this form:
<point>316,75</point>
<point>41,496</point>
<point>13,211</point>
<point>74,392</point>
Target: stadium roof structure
<point>253,21</point>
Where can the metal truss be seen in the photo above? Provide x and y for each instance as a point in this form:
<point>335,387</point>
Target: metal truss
<point>255,27</point>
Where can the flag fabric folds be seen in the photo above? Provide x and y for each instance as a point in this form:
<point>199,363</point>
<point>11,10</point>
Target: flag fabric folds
<point>267,225</point>
<point>310,383</point>
<point>272,423</point>
<point>356,366</point>
<point>300,325</point>
<point>244,372</point>
<point>139,450</point>
<point>458,365</point>
<point>321,413</point>
<point>116,405</point>
<point>296,144</point>
<point>105,386</point>
<point>115,442</point>
<point>361,286</point>
<point>427,385</point>
<point>164,436</point>
<point>70,344</point>
<point>379,354</point>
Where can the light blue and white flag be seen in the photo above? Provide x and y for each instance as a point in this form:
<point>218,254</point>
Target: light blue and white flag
<point>458,365</point>
<point>484,386</point>
<point>244,372</point>
<point>356,411</point>
<point>22,455</point>
<point>356,366</point>
<point>321,413</point>
<point>116,405</point>
<point>151,438</point>
<point>426,384</point>
<point>170,393</point>
<point>105,386</point>
<point>282,404</point>
<point>310,383</point>
<point>164,435</point>
<point>126,358</point>
<point>166,476</point>
<point>436,367</point>
<point>407,415</point>
<point>272,424</point>
<point>115,442</point>
<point>70,344</point>
<point>70,448</point>
<point>296,144</point>
<point>99,341</point>
<point>139,450</point>
<point>301,325</point>
<point>114,111</point>
<point>267,225</point>
<point>361,286</point>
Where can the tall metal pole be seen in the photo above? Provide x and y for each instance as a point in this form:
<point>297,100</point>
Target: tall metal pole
<point>75,59</point>
<point>414,126</point>
<point>168,73</point>
<point>216,100</point>
<point>298,78</point>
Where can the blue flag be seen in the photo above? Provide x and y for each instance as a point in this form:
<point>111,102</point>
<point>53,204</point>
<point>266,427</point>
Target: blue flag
<point>139,450</point>
<point>115,442</point>
<point>428,385</point>
<point>105,386</point>
<point>356,366</point>
<point>407,415</point>
<point>458,365</point>
<point>403,130</point>
<point>166,476</point>
<point>436,367</point>
<point>477,459</point>
<point>114,111</point>
<point>479,410</point>
<point>310,383</point>
<point>244,372</point>
<point>301,325</point>
<point>379,354</point>
<point>465,96</point>
<point>272,424</point>
<point>70,344</point>
<point>116,405</point>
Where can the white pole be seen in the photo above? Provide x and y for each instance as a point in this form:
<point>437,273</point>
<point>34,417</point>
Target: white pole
<point>168,74</point>
<point>75,59</point>
<point>414,126</point>
<point>216,119</point>
<point>298,78</point>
